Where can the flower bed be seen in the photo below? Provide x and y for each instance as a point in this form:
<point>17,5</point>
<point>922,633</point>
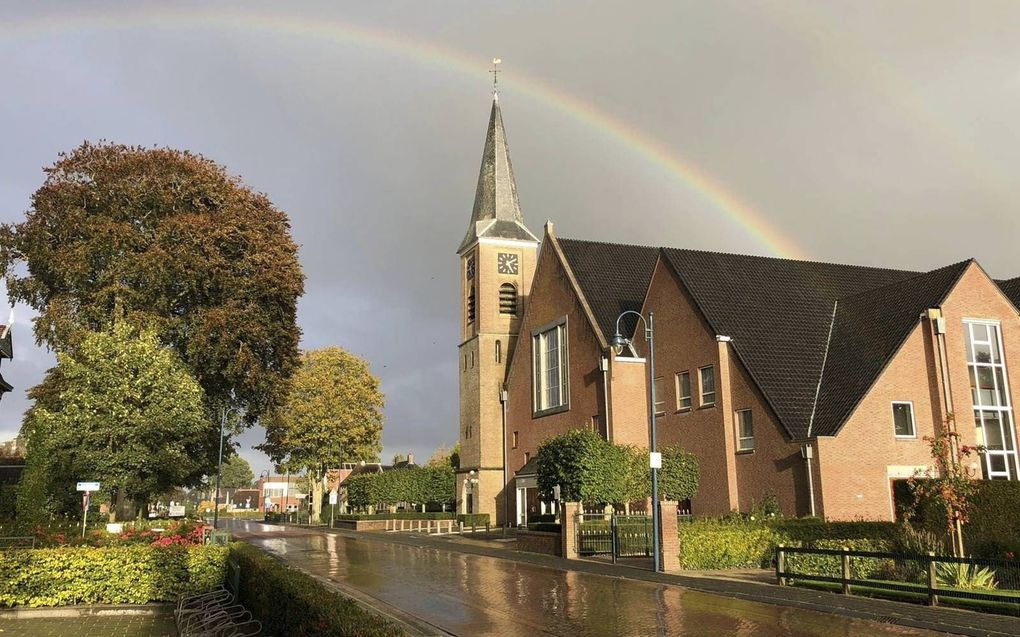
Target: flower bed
<point>162,533</point>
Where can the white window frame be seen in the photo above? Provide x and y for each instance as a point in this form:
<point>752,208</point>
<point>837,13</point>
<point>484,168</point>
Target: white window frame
<point>701,386</point>
<point>540,394</point>
<point>913,420</point>
<point>679,391</point>
<point>740,438</point>
<point>1007,426</point>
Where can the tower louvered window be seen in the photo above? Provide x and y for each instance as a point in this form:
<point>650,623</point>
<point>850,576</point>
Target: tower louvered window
<point>508,299</point>
<point>471,305</point>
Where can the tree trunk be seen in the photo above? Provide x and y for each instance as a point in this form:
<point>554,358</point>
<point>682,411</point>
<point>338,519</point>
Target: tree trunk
<point>316,498</point>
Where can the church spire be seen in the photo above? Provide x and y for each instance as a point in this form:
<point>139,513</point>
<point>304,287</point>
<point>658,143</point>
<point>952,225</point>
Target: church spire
<point>497,212</point>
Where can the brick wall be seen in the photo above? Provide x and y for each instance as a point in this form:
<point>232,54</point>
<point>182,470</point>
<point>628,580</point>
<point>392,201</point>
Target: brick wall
<point>539,542</point>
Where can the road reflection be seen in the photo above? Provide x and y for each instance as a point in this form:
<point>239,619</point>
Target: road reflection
<point>477,595</point>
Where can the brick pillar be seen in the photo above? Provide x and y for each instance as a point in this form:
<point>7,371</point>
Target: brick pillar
<point>669,541</point>
<point>568,530</point>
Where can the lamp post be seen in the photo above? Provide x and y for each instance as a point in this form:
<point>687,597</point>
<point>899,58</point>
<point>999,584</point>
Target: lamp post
<point>654,460</point>
<point>219,470</point>
<point>263,478</point>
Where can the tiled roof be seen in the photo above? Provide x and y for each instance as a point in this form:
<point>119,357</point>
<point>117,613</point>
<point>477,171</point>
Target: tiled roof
<point>1011,289</point>
<point>779,312</point>
<point>613,278</point>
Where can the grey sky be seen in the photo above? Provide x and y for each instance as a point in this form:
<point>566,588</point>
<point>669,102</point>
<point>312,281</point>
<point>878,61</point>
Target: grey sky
<point>874,133</point>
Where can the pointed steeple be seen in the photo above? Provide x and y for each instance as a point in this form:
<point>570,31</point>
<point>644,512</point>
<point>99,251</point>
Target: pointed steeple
<point>497,213</point>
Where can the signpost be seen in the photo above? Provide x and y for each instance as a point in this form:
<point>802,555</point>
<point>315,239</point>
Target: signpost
<point>332,510</point>
<point>176,511</point>
<point>88,488</point>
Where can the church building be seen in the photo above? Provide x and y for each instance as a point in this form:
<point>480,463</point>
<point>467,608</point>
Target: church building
<point>811,383</point>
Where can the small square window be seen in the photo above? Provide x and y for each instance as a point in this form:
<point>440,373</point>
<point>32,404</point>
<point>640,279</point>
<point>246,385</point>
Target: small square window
<point>707,379</point>
<point>745,430</point>
<point>683,391</point>
<point>903,420</point>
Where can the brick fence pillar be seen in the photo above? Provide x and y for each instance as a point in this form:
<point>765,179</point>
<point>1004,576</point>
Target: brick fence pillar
<point>568,530</point>
<point>669,541</point>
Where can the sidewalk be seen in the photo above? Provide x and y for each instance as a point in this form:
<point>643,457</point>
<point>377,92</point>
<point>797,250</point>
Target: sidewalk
<point>739,584</point>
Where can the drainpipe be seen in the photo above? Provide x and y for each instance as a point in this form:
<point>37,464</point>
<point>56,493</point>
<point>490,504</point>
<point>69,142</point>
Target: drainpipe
<point>807,451</point>
<point>938,327</point>
<point>506,463</point>
<point>604,367</point>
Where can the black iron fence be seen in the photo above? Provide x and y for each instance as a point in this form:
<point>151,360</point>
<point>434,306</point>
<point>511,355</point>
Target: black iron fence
<point>614,535</point>
<point>987,584</point>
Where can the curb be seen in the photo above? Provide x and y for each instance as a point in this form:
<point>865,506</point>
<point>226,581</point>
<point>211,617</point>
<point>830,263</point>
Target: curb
<point>90,610</point>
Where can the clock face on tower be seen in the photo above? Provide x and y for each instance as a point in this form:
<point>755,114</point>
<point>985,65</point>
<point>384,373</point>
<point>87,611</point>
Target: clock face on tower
<point>507,263</point>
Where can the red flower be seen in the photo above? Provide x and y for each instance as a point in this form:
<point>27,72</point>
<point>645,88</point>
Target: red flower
<point>1009,555</point>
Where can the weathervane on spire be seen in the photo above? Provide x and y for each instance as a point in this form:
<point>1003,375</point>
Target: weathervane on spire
<point>495,76</point>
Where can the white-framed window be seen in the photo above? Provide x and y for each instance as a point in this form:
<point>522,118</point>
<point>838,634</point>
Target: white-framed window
<point>683,391</point>
<point>993,409</point>
<point>549,354</point>
<point>903,419</point>
<point>745,430</point>
<point>660,396</point>
<point>706,380</point>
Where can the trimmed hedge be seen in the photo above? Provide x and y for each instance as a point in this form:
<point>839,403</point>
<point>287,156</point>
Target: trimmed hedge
<point>353,517</point>
<point>994,526</point>
<point>113,575</point>
<point>8,498</point>
<point>421,485</point>
<point>473,519</point>
<point>723,544</point>
<point>290,603</point>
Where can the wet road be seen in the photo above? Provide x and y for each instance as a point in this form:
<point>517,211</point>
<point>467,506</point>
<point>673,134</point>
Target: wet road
<point>476,595</point>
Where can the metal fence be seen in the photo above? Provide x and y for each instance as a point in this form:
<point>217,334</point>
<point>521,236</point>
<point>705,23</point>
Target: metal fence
<point>984,584</point>
<point>614,535</point>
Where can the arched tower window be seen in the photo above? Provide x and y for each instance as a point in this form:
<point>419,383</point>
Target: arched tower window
<point>499,351</point>
<point>471,305</point>
<point>508,299</point>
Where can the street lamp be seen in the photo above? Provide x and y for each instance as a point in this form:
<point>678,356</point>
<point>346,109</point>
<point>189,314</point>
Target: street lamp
<point>654,460</point>
<point>219,470</point>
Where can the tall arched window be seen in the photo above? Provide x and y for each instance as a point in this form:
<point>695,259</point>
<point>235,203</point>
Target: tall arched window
<point>471,305</point>
<point>508,298</point>
<point>499,351</point>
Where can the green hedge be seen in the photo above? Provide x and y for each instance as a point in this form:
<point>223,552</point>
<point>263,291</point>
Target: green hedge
<point>473,519</point>
<point>114,575</point>
<point>290,603</point>
<point>994,526</point>
<point>420,485</point>
<point>396,516</point>
<point>8,498</point>
<point>722,544</point>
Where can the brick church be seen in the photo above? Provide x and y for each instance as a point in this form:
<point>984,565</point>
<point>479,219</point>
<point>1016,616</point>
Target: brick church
<point>813,383</point>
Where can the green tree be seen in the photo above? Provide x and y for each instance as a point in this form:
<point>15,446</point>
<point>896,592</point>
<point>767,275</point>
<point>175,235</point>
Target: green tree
<point>168,240</point>
<point>585,466</point>
<point>122,410</point>
<point>236,473</point>
<point>680,474</point>
<point>332,414</point>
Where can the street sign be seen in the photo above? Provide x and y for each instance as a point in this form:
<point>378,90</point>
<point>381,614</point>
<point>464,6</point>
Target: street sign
<point>332,497</point>
<point>88,486</point>
<point>176,511</point>
<point>655,460</point>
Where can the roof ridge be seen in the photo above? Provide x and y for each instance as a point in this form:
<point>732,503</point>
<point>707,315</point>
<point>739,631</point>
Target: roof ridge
<point>917,276</point>
<point>609,243</point>
<point>789,260</point>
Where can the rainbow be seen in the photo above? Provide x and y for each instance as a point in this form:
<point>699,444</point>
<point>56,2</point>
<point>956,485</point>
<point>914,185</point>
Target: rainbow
<point>751,221</point>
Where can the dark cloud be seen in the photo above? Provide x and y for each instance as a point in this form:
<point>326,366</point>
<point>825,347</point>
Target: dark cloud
<point>862,133</point>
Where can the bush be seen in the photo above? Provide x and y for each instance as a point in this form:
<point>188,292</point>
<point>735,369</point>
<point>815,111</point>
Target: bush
<point>115,575</point>
<point>994,526</point>
<point>473,519</point>
<point>546,527</point>
<point>585,466</point>
<point>290,603</point>
<point>8,499</point>
<point>421,485</point>
<point>712,544</point>
<point>737,543</point>
<point>679,476</point>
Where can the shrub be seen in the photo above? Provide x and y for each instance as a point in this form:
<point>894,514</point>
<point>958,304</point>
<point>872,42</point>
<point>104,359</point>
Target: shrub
<point>993,528</point>
<point>290,603</point>
<point>711,544</point>
<point>679,476</point>
<point>546,527</point>
<point>585,466</point>
<point>422,485</point>
<point>8,498</point>
<point>114,575</point>
<point>473,519</point>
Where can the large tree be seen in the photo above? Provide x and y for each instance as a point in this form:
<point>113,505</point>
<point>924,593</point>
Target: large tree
<point>236,473</point>
<point>332,415</point>
<point>122,410</point>
<point>168,240</point>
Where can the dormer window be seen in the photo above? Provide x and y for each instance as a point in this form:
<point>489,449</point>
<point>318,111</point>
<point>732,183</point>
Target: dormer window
<point>508,299</point>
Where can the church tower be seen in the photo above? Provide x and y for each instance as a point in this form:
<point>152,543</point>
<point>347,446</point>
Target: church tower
<point>497,261</point>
